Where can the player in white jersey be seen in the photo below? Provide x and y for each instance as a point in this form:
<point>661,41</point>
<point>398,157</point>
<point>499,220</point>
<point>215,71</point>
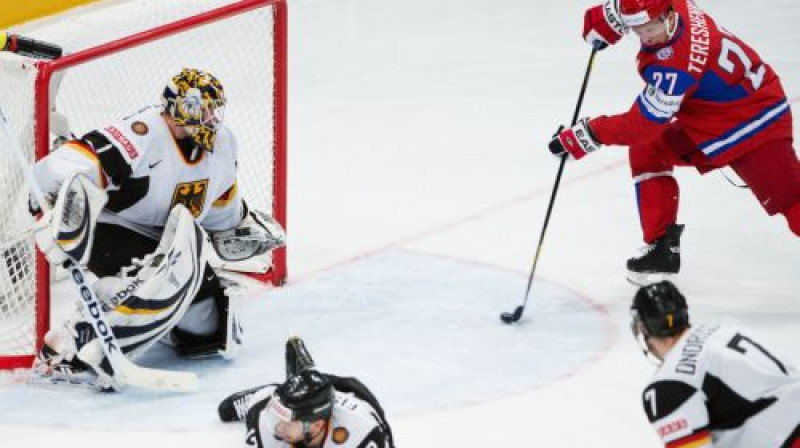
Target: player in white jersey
<point>716,386</point>
<point>155,176</point>
<point>309,410</point>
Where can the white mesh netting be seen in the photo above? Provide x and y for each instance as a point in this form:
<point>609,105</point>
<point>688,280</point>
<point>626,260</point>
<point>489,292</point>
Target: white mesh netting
<point>17,270</point>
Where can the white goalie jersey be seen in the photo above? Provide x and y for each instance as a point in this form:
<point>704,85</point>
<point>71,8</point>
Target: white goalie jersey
<point>146,172</point>
<point>718,387</point>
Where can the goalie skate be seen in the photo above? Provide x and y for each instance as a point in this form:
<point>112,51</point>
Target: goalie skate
<point>50,369</point>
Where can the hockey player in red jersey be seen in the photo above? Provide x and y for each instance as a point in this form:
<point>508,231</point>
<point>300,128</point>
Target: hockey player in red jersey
<point>709,101</point>
<point>716,385</point>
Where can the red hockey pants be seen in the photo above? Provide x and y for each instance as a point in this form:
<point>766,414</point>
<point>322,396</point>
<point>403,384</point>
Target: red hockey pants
<point>772,172</point>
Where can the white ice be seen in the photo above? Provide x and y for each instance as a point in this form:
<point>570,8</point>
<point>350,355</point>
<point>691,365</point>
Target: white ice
<point>419,178</point>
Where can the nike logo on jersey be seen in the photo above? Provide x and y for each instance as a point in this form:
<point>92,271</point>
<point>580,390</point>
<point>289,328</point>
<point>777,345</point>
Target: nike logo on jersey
<point>154,164</point>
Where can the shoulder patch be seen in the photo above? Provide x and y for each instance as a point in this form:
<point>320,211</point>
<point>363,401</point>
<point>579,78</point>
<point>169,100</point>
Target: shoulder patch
<point>123,141</point>
<point>664,397</point>
<point>140,128</point>
<point>340,435</point>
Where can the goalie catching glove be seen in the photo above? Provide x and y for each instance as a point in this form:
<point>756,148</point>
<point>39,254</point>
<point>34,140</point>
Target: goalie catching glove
<point>257,234</point>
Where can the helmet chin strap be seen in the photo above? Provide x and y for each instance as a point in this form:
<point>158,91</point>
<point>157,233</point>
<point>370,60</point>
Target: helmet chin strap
<point>641,339</point>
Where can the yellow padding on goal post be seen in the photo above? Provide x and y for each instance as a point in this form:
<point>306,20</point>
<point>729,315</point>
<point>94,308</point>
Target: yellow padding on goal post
<point>16,12</point>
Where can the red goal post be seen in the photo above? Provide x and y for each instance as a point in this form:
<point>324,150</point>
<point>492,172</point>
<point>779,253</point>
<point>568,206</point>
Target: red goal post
<point>260,113</point>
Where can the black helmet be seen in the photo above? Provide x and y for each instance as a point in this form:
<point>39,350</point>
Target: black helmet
<point>308,394</point>
<point>661,309</point>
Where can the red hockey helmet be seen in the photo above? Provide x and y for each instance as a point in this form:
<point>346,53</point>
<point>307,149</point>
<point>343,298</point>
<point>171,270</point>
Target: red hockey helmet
<point>639,12</point>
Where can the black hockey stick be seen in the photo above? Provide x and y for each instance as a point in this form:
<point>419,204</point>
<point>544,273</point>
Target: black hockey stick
<point>509,318</point>
<point>29,47</point>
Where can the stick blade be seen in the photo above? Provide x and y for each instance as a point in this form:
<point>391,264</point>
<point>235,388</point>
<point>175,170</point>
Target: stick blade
<point>510,318</point>
<point>156,379</point>
<point>128,373</point>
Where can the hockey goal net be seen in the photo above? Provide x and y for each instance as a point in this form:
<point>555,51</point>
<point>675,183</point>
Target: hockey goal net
<point>118,60</point>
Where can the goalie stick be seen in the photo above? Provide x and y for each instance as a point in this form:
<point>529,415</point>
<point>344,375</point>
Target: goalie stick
<point>125,371</point>
<point>26,46</point>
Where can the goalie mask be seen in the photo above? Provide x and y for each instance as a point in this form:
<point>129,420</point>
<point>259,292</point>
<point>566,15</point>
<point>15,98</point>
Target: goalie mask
<point>195,100</point>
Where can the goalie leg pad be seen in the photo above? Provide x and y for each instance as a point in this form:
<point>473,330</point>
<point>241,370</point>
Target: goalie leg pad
<point>141,305</point>
<point>212,325</point>
<point>151,298</point>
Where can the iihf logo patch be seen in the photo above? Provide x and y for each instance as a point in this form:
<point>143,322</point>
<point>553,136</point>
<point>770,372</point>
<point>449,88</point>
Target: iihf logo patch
<point>340,435</point>
<point>665,53</point>
<point>139,128</point>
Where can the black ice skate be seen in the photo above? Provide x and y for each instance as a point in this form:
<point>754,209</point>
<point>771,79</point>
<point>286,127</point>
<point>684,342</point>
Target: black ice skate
<point>298,358</point>
<point>659,261</point>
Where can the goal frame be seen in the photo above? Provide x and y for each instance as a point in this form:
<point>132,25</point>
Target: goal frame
<point>47,68</point>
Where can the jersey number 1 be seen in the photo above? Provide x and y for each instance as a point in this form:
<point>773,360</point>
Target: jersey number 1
<point>728,47</point>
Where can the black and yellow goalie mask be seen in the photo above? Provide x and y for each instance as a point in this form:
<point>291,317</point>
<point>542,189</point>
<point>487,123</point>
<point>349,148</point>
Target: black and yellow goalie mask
<point>195,100</point>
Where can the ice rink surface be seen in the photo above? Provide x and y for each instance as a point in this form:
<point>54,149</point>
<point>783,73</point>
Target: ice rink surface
<point>419,177</point>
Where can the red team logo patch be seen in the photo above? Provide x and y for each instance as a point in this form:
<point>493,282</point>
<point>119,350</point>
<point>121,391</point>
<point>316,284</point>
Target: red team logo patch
<point>672,427</point>
<point>126,144</point>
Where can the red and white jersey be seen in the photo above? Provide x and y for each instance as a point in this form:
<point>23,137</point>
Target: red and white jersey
<point>718,387</point>
<point>145,173</point>
<point>354,423</point>
<point>718,89</point>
